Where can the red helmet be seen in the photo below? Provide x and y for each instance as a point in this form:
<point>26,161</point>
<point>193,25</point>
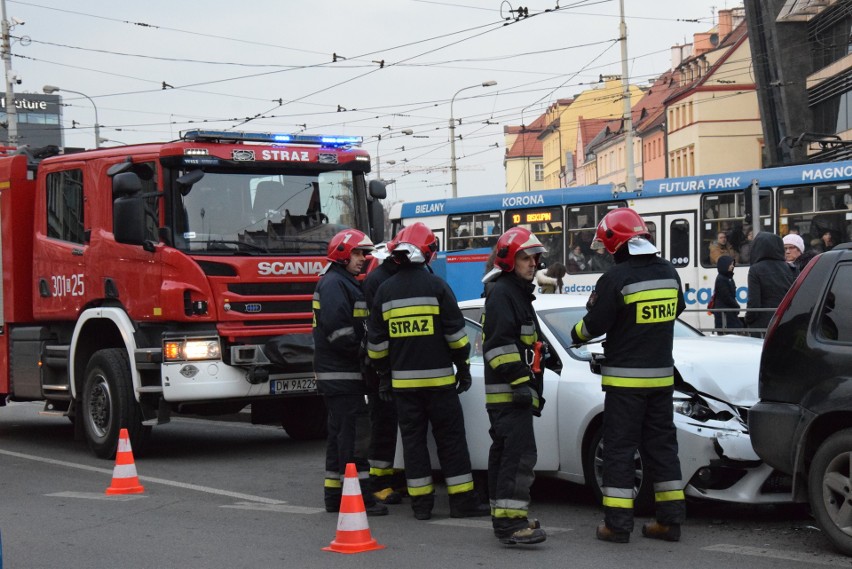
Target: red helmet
<point>416,241</point>
<point>341,245</point>
<point>512,242</point>
<point>618,227</point>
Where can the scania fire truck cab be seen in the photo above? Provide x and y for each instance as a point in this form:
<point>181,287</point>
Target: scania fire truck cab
<point>144,280</point>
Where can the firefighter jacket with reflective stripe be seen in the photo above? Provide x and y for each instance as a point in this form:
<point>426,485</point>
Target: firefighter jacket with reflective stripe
<point>416,330</point>
<point>510,329</point>
<point>635,304</point>
<point>339,323</point>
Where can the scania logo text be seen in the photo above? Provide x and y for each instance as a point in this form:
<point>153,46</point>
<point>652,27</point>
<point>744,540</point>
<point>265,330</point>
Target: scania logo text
<point>265,268</point>
<point>253,307</point>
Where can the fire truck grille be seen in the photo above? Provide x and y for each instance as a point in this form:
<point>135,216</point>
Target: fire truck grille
<point>272,307</point>
<point>269,289</point>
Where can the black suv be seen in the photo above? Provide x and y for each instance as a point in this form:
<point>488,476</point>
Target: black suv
<point>802,424</point>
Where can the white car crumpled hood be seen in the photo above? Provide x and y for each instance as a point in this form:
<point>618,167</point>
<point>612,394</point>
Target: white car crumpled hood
<point>728,372</point>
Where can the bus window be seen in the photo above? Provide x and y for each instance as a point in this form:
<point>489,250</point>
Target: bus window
<point>652,229</point>
<point>546,223</point>
<point>473,231</point>
<point>679,243</point>
<point>820,215</point>
<point>723,231</point>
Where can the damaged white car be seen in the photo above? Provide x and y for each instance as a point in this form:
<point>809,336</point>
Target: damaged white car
<point>715,385</point>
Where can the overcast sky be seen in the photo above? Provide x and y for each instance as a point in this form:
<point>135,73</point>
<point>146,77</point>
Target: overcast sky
<point>156,68</point>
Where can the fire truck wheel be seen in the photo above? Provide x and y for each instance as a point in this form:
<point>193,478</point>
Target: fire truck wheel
<point>108,404</point>
<point>305,418</point>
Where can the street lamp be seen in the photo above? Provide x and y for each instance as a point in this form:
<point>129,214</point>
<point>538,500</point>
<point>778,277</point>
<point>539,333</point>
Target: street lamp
<point>453,132</point>
<point>405,131</point>
<point>50,89</point>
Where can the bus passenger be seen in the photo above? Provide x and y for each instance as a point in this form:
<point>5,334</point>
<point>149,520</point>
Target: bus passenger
<point>721,247</point>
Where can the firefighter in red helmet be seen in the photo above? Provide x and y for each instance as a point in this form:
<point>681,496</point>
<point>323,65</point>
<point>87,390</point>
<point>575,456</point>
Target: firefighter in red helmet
<point>416,333</point>
<point>338,327</point>
<point>635,303</point>
<point>513,384</point>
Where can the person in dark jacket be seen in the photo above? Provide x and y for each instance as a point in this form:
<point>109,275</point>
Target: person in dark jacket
<point>513,389</point>
<point>338,327</point>
<point>636,303</point>
<point>384,479</point>
<point>416,333</point>
<point>725,294</point>
<point>769,278</point>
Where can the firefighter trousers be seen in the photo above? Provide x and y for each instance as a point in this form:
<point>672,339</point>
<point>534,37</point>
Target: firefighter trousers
<point>416,409</point>
<point>348,441</point>
<point>640,420</point>
<point>384,426</point>
<point>511,461</point>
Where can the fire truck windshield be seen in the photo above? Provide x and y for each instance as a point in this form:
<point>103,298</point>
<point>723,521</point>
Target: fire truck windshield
<point>230,213</point>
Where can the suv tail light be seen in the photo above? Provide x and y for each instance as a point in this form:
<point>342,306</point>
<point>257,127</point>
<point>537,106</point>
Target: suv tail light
<point>788,298</point>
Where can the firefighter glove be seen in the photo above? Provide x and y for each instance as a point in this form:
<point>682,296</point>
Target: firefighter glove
<point>463,379</point>
<point>385,388</point>
<point>522,397</point>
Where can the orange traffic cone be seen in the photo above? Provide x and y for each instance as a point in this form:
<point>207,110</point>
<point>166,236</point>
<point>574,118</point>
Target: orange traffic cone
<point>353,532</point>
<point>124,478</point>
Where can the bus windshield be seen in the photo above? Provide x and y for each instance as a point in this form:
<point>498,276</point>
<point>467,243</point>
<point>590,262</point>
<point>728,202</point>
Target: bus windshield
<point>261,213</point>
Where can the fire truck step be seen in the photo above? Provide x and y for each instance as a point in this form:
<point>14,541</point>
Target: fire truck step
<point>55,408</point>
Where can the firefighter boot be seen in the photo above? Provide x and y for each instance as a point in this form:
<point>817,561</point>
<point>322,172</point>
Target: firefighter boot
<point>467,505</point>
<point>388,496</point>
<point>526,536</point>
<point>605,533</point>
<point>376,509</point>
<point>656,530</point>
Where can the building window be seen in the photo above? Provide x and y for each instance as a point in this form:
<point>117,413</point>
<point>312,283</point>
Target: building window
<point>539,171</point>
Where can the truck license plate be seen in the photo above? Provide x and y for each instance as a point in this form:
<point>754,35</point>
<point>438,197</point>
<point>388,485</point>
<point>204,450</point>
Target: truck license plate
<point>299,385</point>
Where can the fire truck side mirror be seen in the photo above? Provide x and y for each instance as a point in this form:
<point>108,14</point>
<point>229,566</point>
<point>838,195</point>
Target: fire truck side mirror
<point>185,182</point>
<point>128,220</point>
<point>125,185</point>
<point>377,221</point>
<point>378,190</point>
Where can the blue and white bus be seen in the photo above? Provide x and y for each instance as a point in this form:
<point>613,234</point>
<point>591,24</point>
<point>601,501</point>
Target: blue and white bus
<point>685,215</point>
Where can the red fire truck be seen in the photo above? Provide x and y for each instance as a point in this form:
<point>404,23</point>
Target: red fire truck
<point>141,281</point>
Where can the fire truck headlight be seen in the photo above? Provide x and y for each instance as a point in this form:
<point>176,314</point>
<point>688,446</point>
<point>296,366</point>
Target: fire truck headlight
<point>188,350</point>
<point>201,349</point>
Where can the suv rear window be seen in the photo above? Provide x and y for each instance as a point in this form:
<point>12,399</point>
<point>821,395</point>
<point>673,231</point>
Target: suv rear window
<point>836,318</point>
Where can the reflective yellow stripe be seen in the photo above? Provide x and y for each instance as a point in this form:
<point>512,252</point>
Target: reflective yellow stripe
<point>498,397</point>
<point>638,382</point>
<point>578,329</point>
<point>427,382</point>
<point>315,304</point>
<point>410,311</point>
<point>508,513</point>
<point>330,483</point>
<point>520,380</point>
<point>460,343</point>
<point>381,471</point>
<point>420,490</point>
<point>360,313</point>
<point>459,488</point>
<point>655,294</point>
<point>504,359</point>
<point>610,502</point>
<point>529,340</point>
<point>669,496</point>
<point>377,355</point>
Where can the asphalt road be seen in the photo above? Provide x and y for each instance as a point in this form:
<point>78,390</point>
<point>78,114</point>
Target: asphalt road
<point>224,494</point>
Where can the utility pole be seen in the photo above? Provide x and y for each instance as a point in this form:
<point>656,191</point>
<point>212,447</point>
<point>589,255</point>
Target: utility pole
<point>11,110</point>
<point>630,179</point>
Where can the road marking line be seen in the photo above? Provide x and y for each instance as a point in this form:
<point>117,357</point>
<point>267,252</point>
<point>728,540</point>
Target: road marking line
<point>150,479</point>
<point>96,496</point>
<point>482,524</point>
<point>281,508</point>
<point>831,560</point>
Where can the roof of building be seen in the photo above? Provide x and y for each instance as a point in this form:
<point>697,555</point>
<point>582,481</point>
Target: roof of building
<point>526,144</point>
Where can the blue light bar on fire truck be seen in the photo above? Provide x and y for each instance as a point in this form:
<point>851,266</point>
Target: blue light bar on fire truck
<point>271,137</point>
